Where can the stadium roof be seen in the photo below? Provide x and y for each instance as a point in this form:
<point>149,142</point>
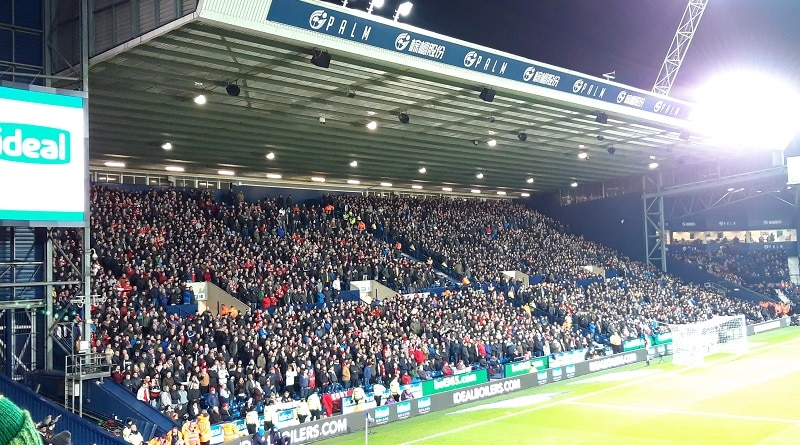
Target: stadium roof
<point>141,96</point>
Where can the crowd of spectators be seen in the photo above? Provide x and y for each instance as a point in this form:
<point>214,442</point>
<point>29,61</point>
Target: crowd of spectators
<point>275,254</point>
<point>760,270</point>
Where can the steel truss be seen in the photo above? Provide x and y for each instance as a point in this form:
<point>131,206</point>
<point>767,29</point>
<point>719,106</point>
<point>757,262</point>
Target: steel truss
<point>667,203</point>
<point>679,46</point>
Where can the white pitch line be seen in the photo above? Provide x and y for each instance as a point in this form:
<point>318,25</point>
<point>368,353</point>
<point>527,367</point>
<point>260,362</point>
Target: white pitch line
<point>583,396</point>
<point>684,412</point>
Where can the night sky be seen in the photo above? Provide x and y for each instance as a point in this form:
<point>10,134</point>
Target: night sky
<point>630,37</point>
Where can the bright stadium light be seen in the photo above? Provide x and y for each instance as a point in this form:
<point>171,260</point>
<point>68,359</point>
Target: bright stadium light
<point>416,187</point>
<point>375,4</point>
<point>747,109</point>
<point>372,125</point>
<point>447,189</point>
<point>115,164</point>
<point>386,184</point>
<point>200,99</point>
<point>403,10</point>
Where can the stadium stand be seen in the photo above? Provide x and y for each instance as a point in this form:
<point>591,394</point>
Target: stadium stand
<point>278,256</point>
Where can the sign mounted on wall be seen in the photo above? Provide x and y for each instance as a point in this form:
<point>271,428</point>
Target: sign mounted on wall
<point>426,45</point>
<point>43,159</point>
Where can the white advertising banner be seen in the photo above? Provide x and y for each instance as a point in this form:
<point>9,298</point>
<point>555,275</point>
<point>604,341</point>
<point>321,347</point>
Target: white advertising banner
<point>43,174</point>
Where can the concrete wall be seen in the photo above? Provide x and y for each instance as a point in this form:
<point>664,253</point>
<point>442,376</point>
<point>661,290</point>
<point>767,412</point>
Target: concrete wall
<point>212,297</point>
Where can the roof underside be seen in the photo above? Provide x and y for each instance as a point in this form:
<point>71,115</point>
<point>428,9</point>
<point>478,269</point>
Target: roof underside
<point>142,98</point>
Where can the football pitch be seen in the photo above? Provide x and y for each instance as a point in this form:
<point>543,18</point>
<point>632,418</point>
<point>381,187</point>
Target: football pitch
<point>730,399</point>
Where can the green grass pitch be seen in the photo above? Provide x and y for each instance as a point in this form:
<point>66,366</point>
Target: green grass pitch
<point>746,399</point>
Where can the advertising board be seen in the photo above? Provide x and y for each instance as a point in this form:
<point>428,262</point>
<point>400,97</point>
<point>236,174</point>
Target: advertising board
<point>525,366</point>
<point>453,382</point>
<point>43,158</point>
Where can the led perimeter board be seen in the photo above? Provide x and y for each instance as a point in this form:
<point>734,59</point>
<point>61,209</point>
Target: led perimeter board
<point>43,158</point>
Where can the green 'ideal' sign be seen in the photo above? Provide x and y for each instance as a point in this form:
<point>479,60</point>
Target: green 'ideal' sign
<point>453,382</point>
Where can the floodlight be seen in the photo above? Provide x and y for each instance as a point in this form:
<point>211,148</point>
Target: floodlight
<point>386,184</point>
<point>167,145</point>
<point>529,180</point>
<point>479,176</point>
<point>115,164</point>
<point>171,168</point>
<point>573,184</point>
<point>404,118</point>
<point>416,187</point>
<point>525,195</point>
<point>226,172</point>
<point>354,164</point>
<point>583,155</point>
<point>423,170</point>
<point>447,189</point>
<point>270,156</point>
<point>372,125</point>
<point>602,118</point>
<point>375,4</point>
<point>200,99</point>
<point>762,115</point>
<point>492,142</point>
<point>403,10</point>
<point>652,165</point>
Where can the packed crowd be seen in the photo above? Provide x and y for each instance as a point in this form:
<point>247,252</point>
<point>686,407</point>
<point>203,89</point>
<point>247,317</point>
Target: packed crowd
<point>481,241</point>
<point>275,254</point>
<point>760,270</point>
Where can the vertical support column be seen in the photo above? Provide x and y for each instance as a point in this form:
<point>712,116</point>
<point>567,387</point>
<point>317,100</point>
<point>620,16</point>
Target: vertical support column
<point>654,233</point>
<point>87,284</point>
<point>48,298</point>
<point>87,240</point>
<point>32,339</point>
<point>10,342</point>
<point>85,45</point>
<point>47,18</point>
